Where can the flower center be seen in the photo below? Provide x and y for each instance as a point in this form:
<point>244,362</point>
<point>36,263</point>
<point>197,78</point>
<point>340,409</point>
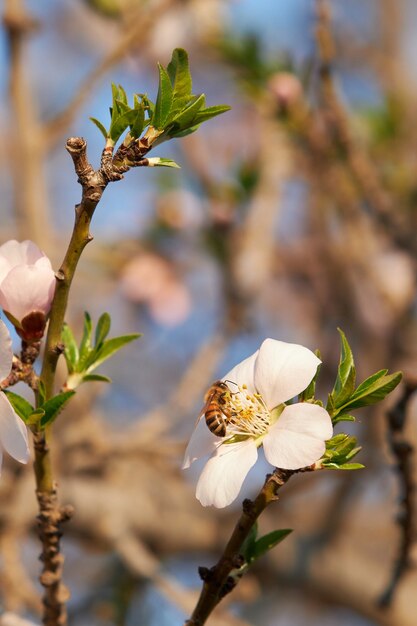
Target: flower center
<point>247,414</point>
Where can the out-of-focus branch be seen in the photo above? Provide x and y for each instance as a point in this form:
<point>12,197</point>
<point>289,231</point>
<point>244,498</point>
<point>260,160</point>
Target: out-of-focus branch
<point>359,163</point>
<point>403,453</point>
<point>26,147</point>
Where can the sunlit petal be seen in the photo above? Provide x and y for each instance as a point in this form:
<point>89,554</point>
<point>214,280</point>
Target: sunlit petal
<point>243,373</point>
<point>26,289</point>
<point>6,354</point>
<point>306,418</point>
<point>223,475</point>
<point>283,370</point>
<point>13,432</point>
<point>202,443</point>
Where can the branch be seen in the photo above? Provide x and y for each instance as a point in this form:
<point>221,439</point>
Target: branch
<point>402,452</point>
<point>217,581</point>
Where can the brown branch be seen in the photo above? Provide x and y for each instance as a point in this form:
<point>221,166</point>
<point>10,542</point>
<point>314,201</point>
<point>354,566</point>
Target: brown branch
<point>358,161</point>
<point>403,453</point>
<point>26,147</point>
<point>218,581</point>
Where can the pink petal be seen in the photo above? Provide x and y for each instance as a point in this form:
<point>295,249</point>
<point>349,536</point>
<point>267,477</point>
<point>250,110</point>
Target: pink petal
<point>297,439</point>
<point>202,443</point>
<point>6,353</point>
<point>283,370</point>
<point>243,373</point>
<point>20,253</point>
<point>223,475</point>
<point>26,289</point>
<point>13,432</point>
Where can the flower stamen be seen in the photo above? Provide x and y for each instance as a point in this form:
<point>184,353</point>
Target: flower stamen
<point>249,416</point>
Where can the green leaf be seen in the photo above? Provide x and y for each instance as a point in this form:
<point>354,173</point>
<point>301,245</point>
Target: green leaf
<point>376,391</point>
<point>21,406</point>
<point>97,378</point>
<point>102,329</point>
<point>54,406</point>
<point>122,97</point>
<point>85,345</point>
<point>100,126</point>
<point>137,122</point>
<point>109,347</point>
<point>207,114</point>
<point>70,348</point>
<point>346,376</point>
<point>179,74</point>
<point>41,392</point>
<point>161,162</point>
<point>344,417</point>
<point>163,103</point>
<point>35,417</point>
<point>267,542</point>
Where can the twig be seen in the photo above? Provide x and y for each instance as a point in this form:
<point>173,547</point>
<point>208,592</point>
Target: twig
<point>402,452</point>
<point>218,581</point>
<point>359,163</point>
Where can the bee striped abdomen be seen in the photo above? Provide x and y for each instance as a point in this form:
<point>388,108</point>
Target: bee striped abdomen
<point>216,411</point>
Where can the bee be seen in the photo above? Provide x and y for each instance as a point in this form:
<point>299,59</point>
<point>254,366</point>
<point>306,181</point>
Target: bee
<point>216,411</point>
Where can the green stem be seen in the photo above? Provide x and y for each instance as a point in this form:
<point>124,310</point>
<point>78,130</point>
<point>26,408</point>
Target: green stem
<point>217,580</point>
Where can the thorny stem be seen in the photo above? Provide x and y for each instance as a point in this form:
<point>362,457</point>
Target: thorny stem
<point>218,581</point>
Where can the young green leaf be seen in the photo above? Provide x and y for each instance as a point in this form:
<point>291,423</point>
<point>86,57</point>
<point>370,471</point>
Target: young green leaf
<point>346,376</point>
<point>161,162</point>
<point>70,348</point>
<point>21,406</point>
<point>267,542</point>
<point>179,73</point>
<point>376,391</point>
<point>100,126</point>
<point>85,345</point>
<point>109,347</point>
<point>163,100</point>
<point>54,406</point>
<point>210,112</point>
<point>96,378</point>
<point>102,329</point>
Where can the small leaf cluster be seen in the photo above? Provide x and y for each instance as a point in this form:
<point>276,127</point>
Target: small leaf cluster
<point>175,113</point>
<point>346,397</point>
<point>45,413</point>
<point>84,358</point>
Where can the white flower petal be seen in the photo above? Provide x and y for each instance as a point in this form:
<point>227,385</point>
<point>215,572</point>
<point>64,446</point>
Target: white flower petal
<point>297,438</point>
<point>202,443</point>
<point>223,475</point>
<point>6,353</point>
<point>26,289</point>
<point>310,419</point>
<point>13,432</point>
<point>243,373</point>
<point>283,370</point>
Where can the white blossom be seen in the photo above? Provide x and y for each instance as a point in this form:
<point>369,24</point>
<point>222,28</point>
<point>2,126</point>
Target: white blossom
<point>293,436</point>
<point>13,432</point>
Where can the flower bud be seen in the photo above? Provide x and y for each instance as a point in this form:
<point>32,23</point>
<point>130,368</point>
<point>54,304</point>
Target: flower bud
<point>286,89</point>
<point>27,285</point>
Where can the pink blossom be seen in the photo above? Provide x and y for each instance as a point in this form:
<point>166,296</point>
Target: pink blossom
<point>27,286</point>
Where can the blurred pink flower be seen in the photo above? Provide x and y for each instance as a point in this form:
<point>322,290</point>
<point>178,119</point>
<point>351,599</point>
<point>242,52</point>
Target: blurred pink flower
<point>27,286</point>
<point>293,436</point>
<point>13,432</point>
<point>150,279</point>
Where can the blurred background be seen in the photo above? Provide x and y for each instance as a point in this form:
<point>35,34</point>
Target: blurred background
<point>293,214</point>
